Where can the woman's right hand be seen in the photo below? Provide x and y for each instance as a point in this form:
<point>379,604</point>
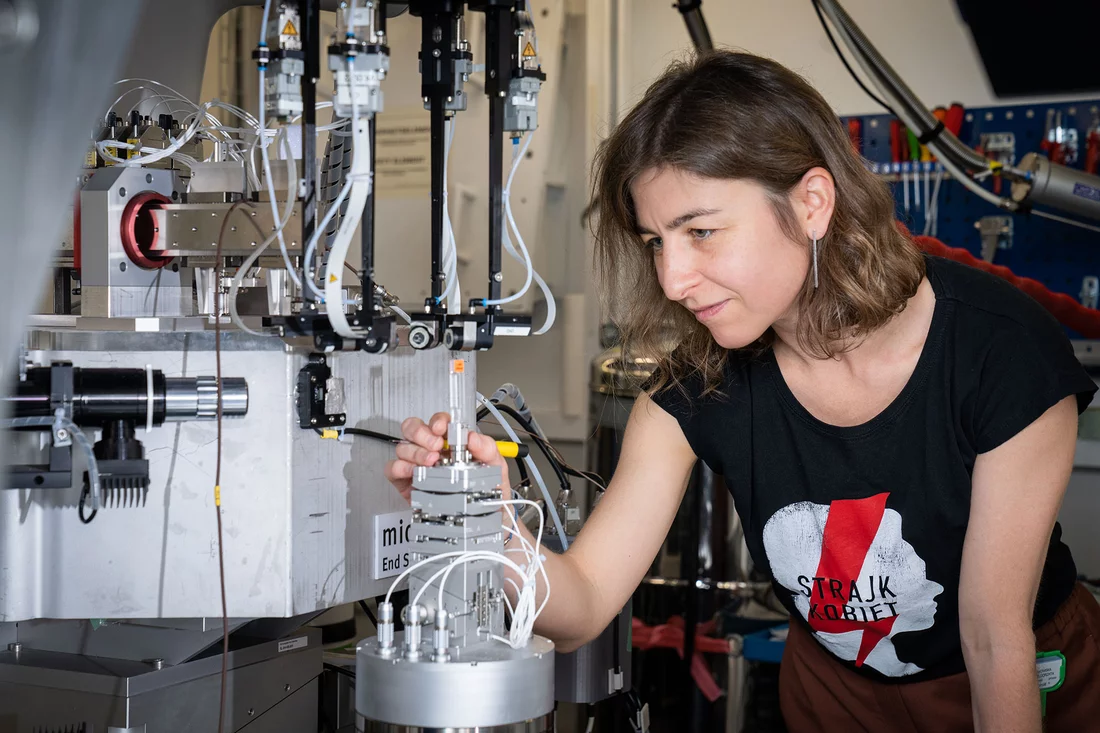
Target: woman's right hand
<point>424,444</point>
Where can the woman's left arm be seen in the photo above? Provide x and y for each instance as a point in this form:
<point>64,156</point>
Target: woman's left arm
<point>1017,492</point>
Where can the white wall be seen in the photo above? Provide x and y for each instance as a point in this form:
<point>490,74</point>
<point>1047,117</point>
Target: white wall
<point>924,40</point>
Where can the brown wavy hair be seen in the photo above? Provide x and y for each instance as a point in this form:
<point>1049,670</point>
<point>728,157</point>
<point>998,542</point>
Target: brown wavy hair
<point>730,115</point>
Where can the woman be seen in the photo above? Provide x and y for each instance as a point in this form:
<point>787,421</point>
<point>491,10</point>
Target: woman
<point>897,431</point>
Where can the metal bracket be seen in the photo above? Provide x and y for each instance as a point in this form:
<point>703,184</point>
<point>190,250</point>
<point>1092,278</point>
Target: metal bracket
<point>58,473</point>
<point>315,383</point>
<point>996,233</point>
<point>1090,291</point>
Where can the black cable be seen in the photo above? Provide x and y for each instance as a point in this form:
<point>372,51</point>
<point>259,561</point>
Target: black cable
<point>594,478</point>
<point>366,609</point>
<point>523,423</point>
<point>339,670</point>
<point>522,468</point>
<point>372,434</point>
<point>218,464</point>
<point>84,494</point>
<point>843,60</point>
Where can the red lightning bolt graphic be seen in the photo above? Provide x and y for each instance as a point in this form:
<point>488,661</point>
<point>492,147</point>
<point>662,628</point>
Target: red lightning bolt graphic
<point>849,532</point>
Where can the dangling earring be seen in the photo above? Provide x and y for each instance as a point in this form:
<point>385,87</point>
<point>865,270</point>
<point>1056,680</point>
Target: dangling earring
<point>815,257</point>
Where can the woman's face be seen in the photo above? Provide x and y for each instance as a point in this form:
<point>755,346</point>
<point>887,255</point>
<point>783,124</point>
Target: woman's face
<point>719,252</point>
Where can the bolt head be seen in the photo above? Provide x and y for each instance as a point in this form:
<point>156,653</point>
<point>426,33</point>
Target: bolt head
<point>498,276</point>
<point>313,421</point>
<point>122,266</point>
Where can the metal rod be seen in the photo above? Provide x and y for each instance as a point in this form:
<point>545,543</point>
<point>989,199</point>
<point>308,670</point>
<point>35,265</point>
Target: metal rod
<point>689,569</point>
<point>437,75</point>
<point>309,11</point>
<point>498,44</point>
<point>366,276</point>
<point>439,137</point>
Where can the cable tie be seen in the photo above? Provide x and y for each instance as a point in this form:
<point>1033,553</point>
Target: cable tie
<point>932,134</point>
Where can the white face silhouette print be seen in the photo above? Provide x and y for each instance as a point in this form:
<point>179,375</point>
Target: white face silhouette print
<point>855,580</point>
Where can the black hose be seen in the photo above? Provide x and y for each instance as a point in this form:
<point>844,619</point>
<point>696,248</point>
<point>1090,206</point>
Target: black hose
<point>844,60</point>
<point>948,145</point>
<point>696,25</point>
<point>510,412</point>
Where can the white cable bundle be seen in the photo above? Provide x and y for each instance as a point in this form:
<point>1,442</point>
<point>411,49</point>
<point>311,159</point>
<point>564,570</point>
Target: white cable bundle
<point>359,180</point>
<point>522,255</point>
<point>524,613</point>
<point>453,293</point>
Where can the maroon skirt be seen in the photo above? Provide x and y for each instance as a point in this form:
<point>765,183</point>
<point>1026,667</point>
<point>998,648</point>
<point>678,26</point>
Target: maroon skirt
<point>818,694</point>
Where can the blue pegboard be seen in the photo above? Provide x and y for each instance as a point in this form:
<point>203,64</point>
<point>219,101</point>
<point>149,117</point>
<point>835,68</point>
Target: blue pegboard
<point>1058,255</point>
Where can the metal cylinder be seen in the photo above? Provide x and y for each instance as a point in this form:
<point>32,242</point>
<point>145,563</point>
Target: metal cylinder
<point>487,686</point>
<point>441,638</point>
<point>542,724</point>
<point>1057,187</point>
<point>614,385</point>
<point>385,626</point>
<point>100,396</point>
<point>412,631</point>
<point>196,398</point>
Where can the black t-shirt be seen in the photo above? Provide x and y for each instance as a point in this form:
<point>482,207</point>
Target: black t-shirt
<point>862,528</point>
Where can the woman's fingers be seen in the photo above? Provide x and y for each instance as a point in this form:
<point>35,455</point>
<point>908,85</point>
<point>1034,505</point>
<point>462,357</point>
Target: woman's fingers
<point>417,455</point>
<point>418,432</point>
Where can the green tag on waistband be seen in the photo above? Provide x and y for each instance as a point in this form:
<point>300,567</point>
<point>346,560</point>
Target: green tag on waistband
<point>1051,669</point>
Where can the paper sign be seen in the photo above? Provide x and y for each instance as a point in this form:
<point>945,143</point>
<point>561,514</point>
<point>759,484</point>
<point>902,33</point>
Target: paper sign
<point>392,544</point>
<point>403,154</point>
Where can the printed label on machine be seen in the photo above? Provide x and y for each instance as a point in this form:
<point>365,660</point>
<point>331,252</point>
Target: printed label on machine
<point>289,645</point>
<point>392,544</point>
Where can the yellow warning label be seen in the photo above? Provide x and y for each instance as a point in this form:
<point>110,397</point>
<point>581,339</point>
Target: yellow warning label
<point>90,159</point>
<point>112,152</point>
<point>529,51</point>
<point>133,152</point>
<point>458,366</point>
<point>289,29</point>
<point>332,278</point>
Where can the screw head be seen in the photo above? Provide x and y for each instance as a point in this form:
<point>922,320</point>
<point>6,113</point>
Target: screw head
<point>148,177</point>
<point>122,266</point>
<point>251,712</point>
<point>286,688</point>
<point>122,192</point>
<point>313,421</point>
<point>62,434</point>
<point>15,647</point>
<point>498,276</point>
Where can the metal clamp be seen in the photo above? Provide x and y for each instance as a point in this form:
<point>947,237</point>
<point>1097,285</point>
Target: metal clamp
<point>996,233</point>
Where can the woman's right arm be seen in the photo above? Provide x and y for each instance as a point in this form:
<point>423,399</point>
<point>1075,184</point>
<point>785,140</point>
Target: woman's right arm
<point>593,580</point>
